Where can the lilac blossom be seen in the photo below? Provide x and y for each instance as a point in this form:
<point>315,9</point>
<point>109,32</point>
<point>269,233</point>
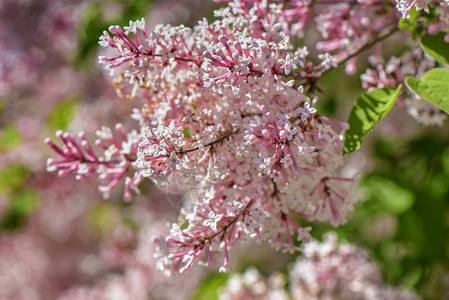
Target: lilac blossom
<point>217,113</point>
<point>224,110</point>
<point>324,271</point>
<point>115,163</point>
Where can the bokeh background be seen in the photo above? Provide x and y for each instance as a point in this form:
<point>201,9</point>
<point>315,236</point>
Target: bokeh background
<point>60,239</point>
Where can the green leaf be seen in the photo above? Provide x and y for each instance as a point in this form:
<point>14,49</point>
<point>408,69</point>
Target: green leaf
<point>21,205</point>
<point>209,288</point>
<point>435,46</point>
<point>391,196</point>
<point>367,111</point>
<point>12,176</point>
<point>9,137</point>
<point>433,86</point>
<point>2,106</point>
<point>62,115</point>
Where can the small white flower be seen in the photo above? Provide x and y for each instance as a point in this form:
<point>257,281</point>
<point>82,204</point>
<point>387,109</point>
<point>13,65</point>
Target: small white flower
<point>302,52</point>
<point>291,133</point>
<point>284,119</point>
<point>305,111</point>
<point>175,231</point>
<point>174,161</point>
<point>308,152</point>
<point>287,64</point>
<point>212,221</point>
<point>224,269</point>
<point>287,161</point>
<point>242,65</point>
<point>328,61</point>
<point>304,234</point>
<point>323,132</point>
<point>233,207</point>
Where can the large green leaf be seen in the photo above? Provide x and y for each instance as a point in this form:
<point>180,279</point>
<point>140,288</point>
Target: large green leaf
<point>435,46</point>
<point>367,111</point>
<point>433,86</point>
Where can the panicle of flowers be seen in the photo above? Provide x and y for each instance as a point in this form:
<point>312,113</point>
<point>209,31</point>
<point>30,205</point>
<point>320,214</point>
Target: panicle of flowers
<point>345,26</point>
<point>347,29</point>
<point>219,114</point>
<point>393,73</point>
<point>115,163</point>
<point>255,180</point>
<point>228,107</point>
<point>325,270</point>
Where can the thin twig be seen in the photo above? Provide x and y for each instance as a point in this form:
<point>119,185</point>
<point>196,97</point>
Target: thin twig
<point>208,144</point>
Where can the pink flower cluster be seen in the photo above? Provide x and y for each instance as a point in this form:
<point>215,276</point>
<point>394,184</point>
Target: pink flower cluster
<point>325,271</point>
<point>220,114</point>
<point>228,109</point>
<point>112,166</point>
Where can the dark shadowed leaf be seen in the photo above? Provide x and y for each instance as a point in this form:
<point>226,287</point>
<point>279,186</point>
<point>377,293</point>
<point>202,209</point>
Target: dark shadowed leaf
<point>435,46</point>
